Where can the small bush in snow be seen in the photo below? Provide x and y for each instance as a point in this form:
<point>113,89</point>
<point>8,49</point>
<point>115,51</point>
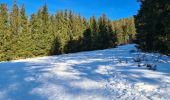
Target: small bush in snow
<point>139,65</point>
<point>133,51</point>
<point>151,66</point>
<point>137,60</point>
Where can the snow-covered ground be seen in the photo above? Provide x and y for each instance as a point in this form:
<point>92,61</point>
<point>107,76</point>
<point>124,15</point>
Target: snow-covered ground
<point>108,74</point>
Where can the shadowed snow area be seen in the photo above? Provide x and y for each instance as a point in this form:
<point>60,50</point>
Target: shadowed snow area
<point>109,74</point>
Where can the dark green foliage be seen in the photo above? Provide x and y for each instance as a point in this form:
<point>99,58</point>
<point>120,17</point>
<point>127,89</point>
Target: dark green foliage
<point>87,40</point>
<point>153,26</point>
<point>44,34</point>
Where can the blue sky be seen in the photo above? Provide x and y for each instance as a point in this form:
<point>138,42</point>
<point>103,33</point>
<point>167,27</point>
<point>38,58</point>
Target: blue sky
<point>114,9</point>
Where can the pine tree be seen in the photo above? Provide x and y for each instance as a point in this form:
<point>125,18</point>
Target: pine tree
<point>71,25</point>
<point>45,29</point>
<point>62,30</point>
<point>72,33</point>
<point>4,32</point>
<point>152,24</point>
<point>87,39</point>
<point>14,30</point>
<point>111,36</point>
<point>25,37</point>
<point>102,32</point>
<point>94,29</point>
<point>36,34</point>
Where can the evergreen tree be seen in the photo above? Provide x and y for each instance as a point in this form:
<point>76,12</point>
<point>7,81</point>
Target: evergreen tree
<point>152,24</point>
<point>102,32</point>
<point>111,36</point>
<point>4,33</point>
<point>87,39</point>
<point>62,30</point>
<point>74,36</point>
<point>36,34</point>
<point>45,39</point>
<point>14,31</point>
<point>24,38</point>
<point>94,32</point>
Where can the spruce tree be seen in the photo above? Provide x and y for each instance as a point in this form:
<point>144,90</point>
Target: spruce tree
<point>152,24</point>
<point>87,39</point>
<point>111,36</point>
<point>25,37</point>
<point>102,32</point>
<point>45,31</point>
<point>36,34</point>
<point>94,30</point>
<point>4,33</point>
<point>14,30</point>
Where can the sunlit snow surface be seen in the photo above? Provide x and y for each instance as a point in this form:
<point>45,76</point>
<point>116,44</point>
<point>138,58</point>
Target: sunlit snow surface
<point>97,75</point>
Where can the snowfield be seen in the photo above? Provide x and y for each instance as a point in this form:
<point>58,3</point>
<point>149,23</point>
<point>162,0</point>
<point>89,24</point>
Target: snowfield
<point>110,74</point>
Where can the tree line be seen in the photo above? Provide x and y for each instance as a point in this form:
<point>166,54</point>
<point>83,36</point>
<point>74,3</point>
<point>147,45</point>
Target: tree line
<point>44,34</point>
<point>153,26</point>
<point>125,30</point>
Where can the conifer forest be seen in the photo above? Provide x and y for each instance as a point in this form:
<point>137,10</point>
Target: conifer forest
<point>44,34</point>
